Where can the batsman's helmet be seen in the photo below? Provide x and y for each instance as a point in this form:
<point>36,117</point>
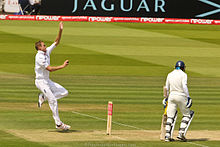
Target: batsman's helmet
<point>180,65</point>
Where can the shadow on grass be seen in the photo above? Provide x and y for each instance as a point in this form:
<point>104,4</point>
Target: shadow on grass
<point>200,139</point>
<point>191,140</point>
<point>64,131</point>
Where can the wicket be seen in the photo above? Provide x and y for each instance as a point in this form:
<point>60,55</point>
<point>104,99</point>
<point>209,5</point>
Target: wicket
<point>109,119</point>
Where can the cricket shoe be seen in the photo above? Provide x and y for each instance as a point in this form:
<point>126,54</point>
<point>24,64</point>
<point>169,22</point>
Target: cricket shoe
<point>181,137</point>
<point>63,127</point>
<point>168,139</point>
<point>41,99</point>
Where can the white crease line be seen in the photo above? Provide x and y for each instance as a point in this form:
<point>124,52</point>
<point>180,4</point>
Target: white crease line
<point>120,138</point>
<point>98,118</point>
<point>117,123</point>
<point>197,144</point>
<point>121,124</point>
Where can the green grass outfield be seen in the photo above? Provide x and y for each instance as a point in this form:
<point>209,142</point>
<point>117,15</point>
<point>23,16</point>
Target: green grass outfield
<point>126,63</point>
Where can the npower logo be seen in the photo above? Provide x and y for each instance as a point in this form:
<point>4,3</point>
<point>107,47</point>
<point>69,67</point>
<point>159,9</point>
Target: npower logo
<point>100,19</point>
<point>152,20</point>
<point>3,16</point>
<point>52,18</point>
<point>208,2</point>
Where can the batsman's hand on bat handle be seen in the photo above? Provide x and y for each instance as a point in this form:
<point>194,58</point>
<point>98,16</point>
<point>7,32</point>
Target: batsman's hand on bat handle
<point>66,63</point>
<point>164,102</point>
<point>189,102</point>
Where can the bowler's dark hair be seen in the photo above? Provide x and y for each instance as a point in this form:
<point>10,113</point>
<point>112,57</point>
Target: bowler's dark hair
<point>37,44</point>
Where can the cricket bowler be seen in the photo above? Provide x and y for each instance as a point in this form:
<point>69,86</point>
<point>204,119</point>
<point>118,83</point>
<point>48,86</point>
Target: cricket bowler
<point>51,91</point>
<point>178,96</point>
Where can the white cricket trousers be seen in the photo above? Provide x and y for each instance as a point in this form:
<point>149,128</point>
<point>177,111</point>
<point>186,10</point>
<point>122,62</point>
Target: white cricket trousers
<point>52,91</point>
<point>175,101</point>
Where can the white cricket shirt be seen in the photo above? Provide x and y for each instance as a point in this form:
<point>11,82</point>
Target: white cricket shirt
<point>42,60</point>
<point>176,83</point>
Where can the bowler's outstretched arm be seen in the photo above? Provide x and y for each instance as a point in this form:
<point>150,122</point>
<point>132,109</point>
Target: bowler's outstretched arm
<point>57,41</point>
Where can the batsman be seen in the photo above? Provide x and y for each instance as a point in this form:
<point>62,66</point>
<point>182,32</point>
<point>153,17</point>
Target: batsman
<point>177,95</point>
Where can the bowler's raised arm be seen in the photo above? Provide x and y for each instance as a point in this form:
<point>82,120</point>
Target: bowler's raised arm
<point>59,34</point>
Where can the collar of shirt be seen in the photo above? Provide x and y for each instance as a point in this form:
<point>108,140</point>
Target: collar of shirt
<point>41,52</point>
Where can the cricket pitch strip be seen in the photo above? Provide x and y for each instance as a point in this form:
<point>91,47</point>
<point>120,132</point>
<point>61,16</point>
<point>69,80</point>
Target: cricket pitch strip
<point>117,135</point>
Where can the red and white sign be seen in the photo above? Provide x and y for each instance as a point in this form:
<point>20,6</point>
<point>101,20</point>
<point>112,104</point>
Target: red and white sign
<point>3,17</point>
<point>201,21</point>
<point>152,20</point>
<point>74,18</point>
<point>100,19</point>
<point>21,17</point>
<point>216,22</point>
<point>109,19</point>
<point>126,19</point>
<point>48,18</point>
<point>176,21</point>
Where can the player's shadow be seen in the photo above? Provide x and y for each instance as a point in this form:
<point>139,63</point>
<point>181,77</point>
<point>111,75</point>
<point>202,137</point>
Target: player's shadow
<point>64,131</point>
<point>200,139</point>
<point>192,140</point>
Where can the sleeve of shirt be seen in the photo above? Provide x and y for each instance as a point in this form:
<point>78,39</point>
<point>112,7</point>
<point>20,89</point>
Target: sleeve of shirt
<point>42,62</point>
<point>185,88</point>
<point>50,48</point>
<point>167,85</point>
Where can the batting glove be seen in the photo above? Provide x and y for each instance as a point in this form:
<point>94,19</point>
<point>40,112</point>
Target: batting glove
<point>164,102</point>
<point>189,102</point>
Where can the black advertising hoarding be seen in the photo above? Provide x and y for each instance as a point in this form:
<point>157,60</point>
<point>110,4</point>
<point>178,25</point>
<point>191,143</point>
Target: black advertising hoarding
<point>207,9</point>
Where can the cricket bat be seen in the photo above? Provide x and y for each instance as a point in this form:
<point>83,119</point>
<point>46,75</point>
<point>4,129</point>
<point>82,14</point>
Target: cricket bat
<point>163,125</point>
<point>164,117</point>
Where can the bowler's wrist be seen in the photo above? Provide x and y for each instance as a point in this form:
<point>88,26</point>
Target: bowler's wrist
<point>62,66</point>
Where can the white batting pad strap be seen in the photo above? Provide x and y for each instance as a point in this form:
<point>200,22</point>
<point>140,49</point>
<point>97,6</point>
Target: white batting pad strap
<point>171,121</point>
<point>168,126</point>
<point>185,123</point>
